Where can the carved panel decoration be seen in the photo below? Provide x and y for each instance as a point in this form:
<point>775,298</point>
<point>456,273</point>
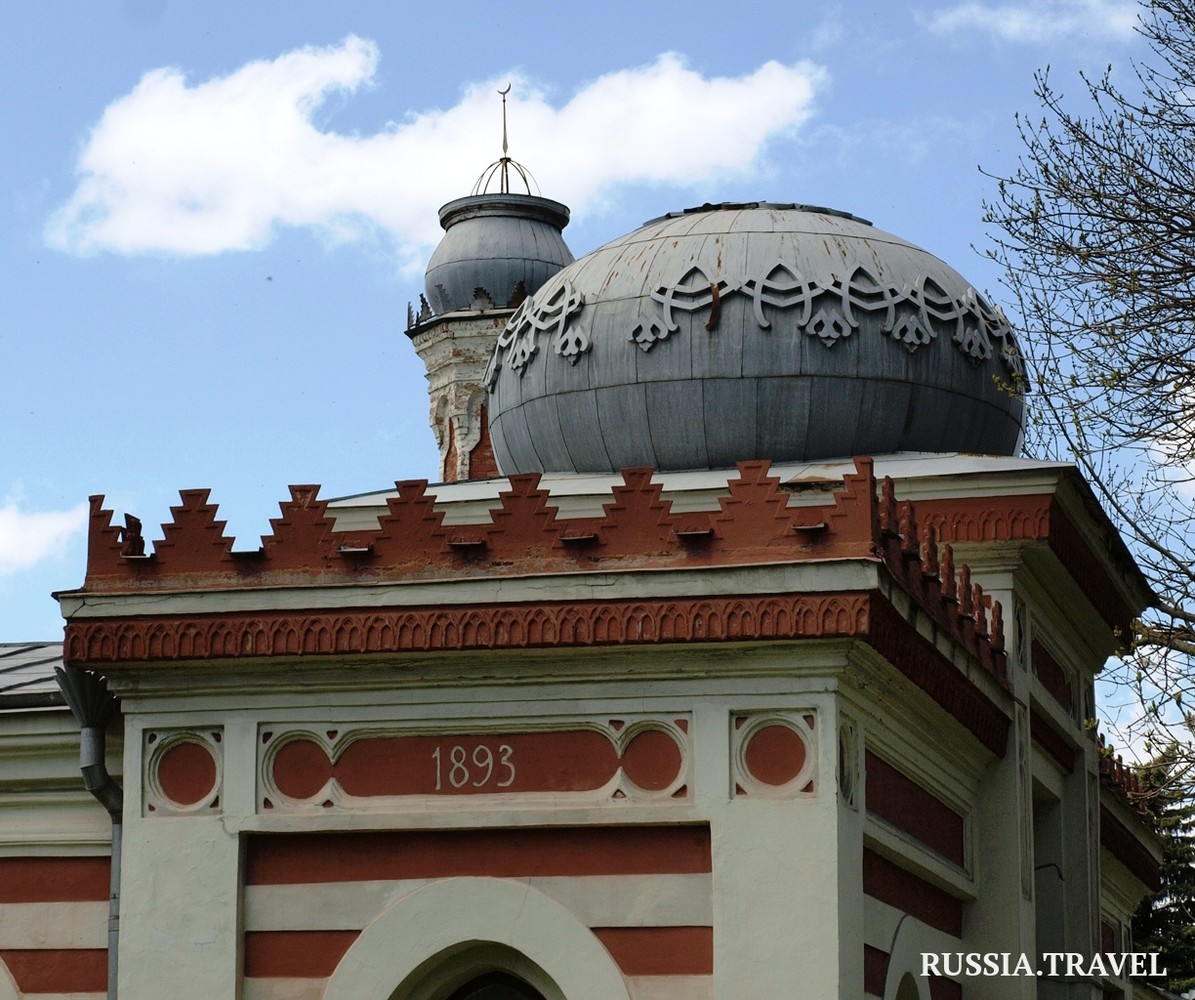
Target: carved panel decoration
<point>848,762</point>
<point>774,754</point>
<point>519,341</point>
<point>182,771</point>
<point>781,288</point>
<point>631,758</point>
<point>693,290</point>
<point>1024,791</point>
<point>826,306</point>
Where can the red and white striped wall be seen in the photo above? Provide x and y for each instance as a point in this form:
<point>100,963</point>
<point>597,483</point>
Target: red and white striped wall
<point>643,892</point>
<point>53,928</point>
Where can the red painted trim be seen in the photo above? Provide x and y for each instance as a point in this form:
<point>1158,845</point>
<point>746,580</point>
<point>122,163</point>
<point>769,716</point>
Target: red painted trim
<point>288,859</point>
<point>80,970</point>
<point>875,970</point>
<point>1076,555</point>
<point>941,988</point>
<point>652,760</point>
<point>988,519</point>
<point>1129,850</point>
<point>524,535</point>
<point>926,571</point>
<point>911,894</point>
<point>54,880</point>
<point>299,954</point>
<point>1051,741</point>
<point>660,951</point>
<point>1053,678</point>
<point>863,615</point>
<point>1036,517</point>
<point>897,798</point>
<point>923,663</point>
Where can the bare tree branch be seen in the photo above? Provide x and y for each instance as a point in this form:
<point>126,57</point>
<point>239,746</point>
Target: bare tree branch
<point>1095,232</point>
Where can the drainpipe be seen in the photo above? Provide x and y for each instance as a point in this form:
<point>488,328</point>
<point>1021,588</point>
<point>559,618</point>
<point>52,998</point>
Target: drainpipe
<point>93,707</point>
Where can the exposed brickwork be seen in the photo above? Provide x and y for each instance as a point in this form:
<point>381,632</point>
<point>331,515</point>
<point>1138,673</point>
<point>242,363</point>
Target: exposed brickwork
<point>588,623</point>
<point>524,535</point>
<point>1037,517</point>
<point>482,464</point>
<point>1121,779</point>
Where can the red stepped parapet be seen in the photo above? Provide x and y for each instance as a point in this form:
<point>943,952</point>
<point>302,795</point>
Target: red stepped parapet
<point>1124,782</point>
<point>523,534</point>
<point>756,524</point>
<point>926,570</point>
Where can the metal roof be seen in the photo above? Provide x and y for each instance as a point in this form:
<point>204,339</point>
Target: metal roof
<point>750,331</point>
<point>27,675</point>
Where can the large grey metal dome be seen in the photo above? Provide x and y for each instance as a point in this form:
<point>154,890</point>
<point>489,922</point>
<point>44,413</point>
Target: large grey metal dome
<point>505,244</point>
<point>735,332</point>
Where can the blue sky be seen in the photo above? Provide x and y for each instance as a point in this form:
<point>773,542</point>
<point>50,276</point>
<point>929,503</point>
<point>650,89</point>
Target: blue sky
<point>214,215</point>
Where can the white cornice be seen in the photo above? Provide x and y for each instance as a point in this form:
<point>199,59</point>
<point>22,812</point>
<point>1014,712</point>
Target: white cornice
<point>806,577</point>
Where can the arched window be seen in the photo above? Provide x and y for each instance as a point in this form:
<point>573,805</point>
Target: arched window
<point>496,986</point>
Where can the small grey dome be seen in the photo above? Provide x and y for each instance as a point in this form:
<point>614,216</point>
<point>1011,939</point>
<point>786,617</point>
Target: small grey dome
<point>737,332</point>
<point>505,244</point>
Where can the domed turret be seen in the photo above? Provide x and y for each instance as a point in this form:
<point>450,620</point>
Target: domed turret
<point>507,245</point>
<point>498,248</point>
<point>737,332</point>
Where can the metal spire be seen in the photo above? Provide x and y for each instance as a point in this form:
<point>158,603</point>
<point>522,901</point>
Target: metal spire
<point>500,169</point>
<point>505,158</point>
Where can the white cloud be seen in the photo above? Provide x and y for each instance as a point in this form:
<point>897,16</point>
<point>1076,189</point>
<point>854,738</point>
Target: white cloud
<point>26,538</point>
<point>1036,22</point>
<point>219,165</point>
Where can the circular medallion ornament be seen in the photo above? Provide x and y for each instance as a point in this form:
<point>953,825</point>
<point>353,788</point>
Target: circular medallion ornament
<point>301,769</point>
<point>652,760</point>
<point>774,754</point>
<point>182,772</point>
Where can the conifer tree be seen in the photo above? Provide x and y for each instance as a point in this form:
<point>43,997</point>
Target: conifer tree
<point>1165,922</point>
